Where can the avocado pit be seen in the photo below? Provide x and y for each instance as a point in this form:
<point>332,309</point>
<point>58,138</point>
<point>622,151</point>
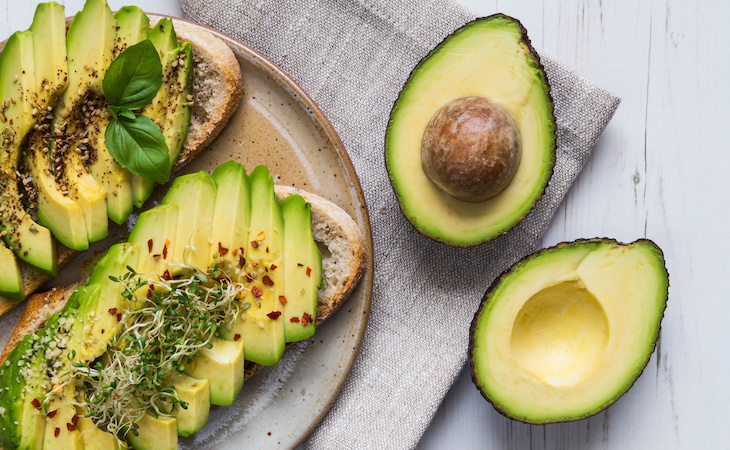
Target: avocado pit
<point>471,148</point>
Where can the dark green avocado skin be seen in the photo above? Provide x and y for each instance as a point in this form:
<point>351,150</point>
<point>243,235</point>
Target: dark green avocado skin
<point>498,280</point>
<point>551,104</point>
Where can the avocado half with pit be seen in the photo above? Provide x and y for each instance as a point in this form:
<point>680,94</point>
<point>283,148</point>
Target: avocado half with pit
<point>470,145</point>
<point>565,332</point>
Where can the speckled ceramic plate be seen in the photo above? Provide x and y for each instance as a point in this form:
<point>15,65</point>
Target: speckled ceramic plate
<point>278,125</point>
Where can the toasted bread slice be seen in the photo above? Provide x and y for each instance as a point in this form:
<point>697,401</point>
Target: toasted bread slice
<point>343,264</point>
<point>217,91</point>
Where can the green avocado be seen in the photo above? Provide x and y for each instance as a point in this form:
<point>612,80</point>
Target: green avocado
<point>222,366</point>
<point>196,394</point>
<point>11,281</point>
<point>302,269</point>
<point>89,47</point>
<point>154,433</point>
<point>170,108</point>
<point>23,379</point>
<point>565,332</point>
<point>155,232</point>
<point>132,26</point>
<point>194,194</point>
<point>260,323</point>
<point>490,60</point>
<point>231,218</point>
<point>49,50</point>
<point>30,241</point>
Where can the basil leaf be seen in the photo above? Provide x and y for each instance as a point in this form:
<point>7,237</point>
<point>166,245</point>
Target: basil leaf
<point>133,78</point>
<point>117,111</point>
<point>138,146</point>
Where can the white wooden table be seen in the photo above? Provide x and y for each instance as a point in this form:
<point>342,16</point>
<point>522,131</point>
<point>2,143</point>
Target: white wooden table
<point>660,171</point>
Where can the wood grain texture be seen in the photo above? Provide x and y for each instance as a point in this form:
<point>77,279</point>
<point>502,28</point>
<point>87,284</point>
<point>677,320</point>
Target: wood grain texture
<point>659,171</point>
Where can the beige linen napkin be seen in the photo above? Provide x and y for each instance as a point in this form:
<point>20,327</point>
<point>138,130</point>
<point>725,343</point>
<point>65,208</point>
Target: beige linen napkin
<point>352,57</point>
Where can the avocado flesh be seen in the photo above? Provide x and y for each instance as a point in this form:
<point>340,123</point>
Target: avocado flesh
<point>21,423</point>
<point>155,232</point>
<point>263,335</point>
<point>154,433</point>
<point>63,216</point>
<point>169,108</point>
<point>65,412</point>
<point>49,50</point>
<point>30,241</point>
<point>104,323</point>
<point>489,57</point>
<point>222,366</point>
<point>89,43</point>
<point>196,393</point>
<point>93,438</point>
<point>11,281</point>
<point>302,269</point>
<point>132,26</point>
<point>525,354</point>
<point>194,194</point>
<point>231,218</point>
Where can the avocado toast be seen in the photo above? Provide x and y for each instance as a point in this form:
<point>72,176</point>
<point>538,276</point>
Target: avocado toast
<point>213,93</point>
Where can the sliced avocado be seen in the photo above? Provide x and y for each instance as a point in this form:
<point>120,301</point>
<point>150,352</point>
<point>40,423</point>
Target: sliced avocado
<point>49,50</point>
<point>61,431</point>
<point>566,331</point>
<point>155,232</point>
<point>302,270</point>
<point>170,108</point>
<point>259,323</point>
<point>87,297</point>
<point>30,241</point>
<point>194,194</point>
<point>23,379</point>
<point>490,58</point>
<point>89,47</point>
<point>11,281</point>
<point>109,305</point>
<point>231,218</point>
<point>222,366</point>
<point>154,433</point>
<point>63,216</point>
<point>132,27</point>
<point>196,394</point>
<point>94,438</point>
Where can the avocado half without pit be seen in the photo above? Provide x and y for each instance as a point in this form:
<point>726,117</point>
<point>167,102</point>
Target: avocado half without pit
<point>565,332</point>
<point>470,145</point>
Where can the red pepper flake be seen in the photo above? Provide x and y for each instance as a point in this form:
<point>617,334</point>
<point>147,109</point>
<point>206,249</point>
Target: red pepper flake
<point>309,271</point>
<point>166,275</point>
<point>52,413</point>
<point>152,287</point>
<point>273,315</point>
<point>157,256</point>
<point>223,313</point>
<point>306,319</point>
<point>282,299</point>
<point>249,277</point>
<point>164,251</point>
<point>149,293</point>
<point>267,249</point>
<point>75,420</point>
<point>36,404</point>
<point>112,311</point>
<point>149,245</point>
<point>255,265</point>
<point>254,244</point>
<point>71,427</point>
<point>236,337</point>
<point>241,261</point>
<point>273,266</point>
<point>222,250</point>
<point>256,291</point>
<point>57,432</point>
<point>267,281</point>
<point>234,252</point>
<point>119,317</point>
<point>294,319</point>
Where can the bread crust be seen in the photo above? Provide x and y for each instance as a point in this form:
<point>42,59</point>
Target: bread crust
<point>343,265</point>
<point>221,63</point>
